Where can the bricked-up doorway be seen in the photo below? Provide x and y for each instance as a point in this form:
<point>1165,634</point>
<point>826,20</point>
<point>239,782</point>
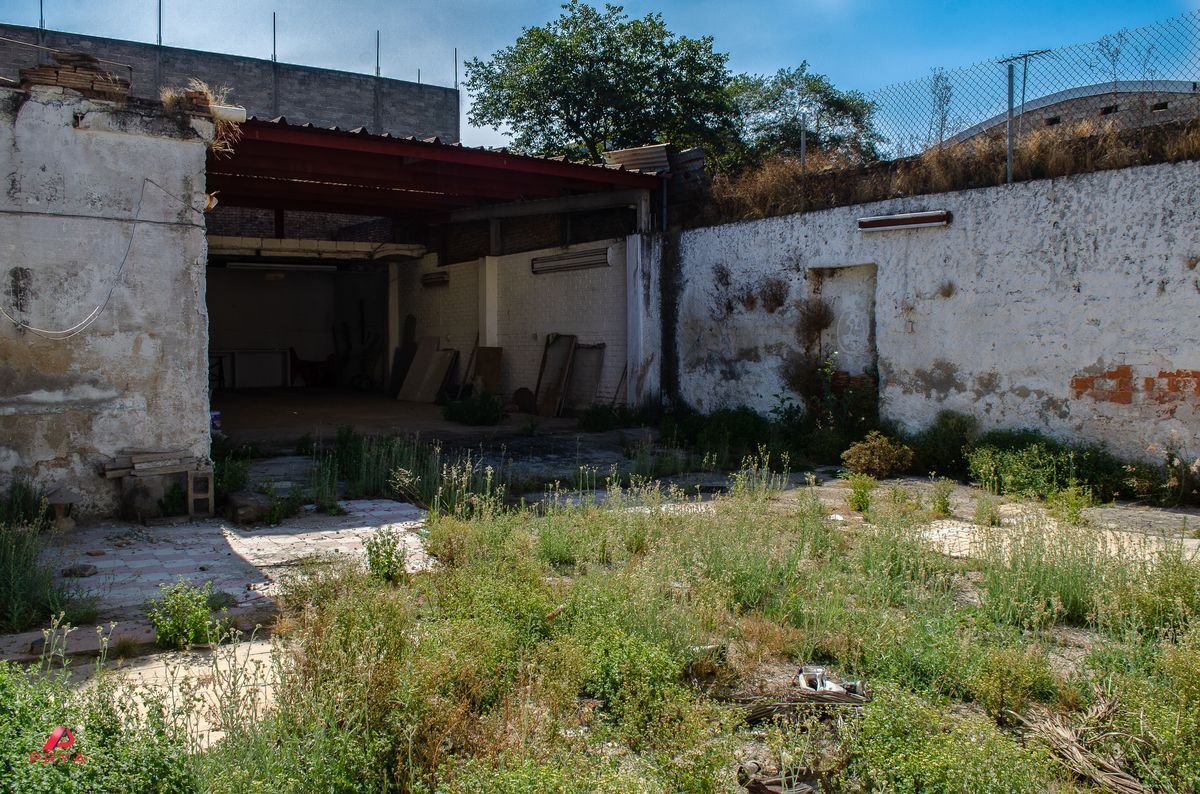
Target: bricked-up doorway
<point>850,294</point>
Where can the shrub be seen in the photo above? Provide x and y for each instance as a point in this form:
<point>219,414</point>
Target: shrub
<point>878,456</point>
<point>231,474</point>
<point>987,512</point>
<point>28,592</point>
<point>1026,463</point>
<point>1008,679</point>
<point>939,502</point>
<point>599,418</point>
<point>23,505</point>
<point>1069,503</point>
<point>128,739</point>
<point>182,617</point>
<point>905,743</point>
<point>631,676</point>
<point>477,410</point>
<point>861,486</point>
<point>387,555</point>
<point>730,433</point>
<point>944,445</point>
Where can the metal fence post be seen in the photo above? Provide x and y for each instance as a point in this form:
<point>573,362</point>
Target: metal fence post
<point>1011,130</point>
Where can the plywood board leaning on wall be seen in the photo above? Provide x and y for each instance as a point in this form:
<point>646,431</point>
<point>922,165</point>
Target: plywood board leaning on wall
<point>585,376</point>
<point>426,348</point>
<point>554,372</point>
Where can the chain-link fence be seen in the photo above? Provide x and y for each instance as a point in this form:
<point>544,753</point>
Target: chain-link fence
<point>1133,79</point>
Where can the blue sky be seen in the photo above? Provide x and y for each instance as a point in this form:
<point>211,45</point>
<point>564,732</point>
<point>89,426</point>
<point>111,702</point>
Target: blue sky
<point>860,44</point>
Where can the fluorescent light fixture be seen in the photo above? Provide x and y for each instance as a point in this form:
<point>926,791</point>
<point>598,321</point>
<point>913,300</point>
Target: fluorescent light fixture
<point>573,260</point>
<point>281,266</point>
<point>904,220</point>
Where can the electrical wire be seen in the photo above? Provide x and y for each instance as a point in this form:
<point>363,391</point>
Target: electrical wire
<point>86,322</point>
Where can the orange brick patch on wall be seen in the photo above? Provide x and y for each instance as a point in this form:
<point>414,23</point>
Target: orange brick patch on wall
<point>1118,385</point>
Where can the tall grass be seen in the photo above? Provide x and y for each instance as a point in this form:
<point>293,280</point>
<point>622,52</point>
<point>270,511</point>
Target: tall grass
<point>29,592</point>
<point>783,185</point>
<point>575,645</point>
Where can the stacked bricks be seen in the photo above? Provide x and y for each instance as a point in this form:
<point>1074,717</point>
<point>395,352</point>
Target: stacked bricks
<point>79,72</point>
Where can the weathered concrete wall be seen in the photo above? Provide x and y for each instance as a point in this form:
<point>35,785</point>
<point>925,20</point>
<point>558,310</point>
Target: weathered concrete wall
<point>325,97</point>
<point>1070,305</point>
<point>75,172</point>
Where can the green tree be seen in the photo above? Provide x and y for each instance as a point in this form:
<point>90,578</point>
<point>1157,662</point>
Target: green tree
<point>771,110</point>
<point>593,80</point>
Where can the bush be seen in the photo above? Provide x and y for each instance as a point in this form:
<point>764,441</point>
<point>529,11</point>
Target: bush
<point>861,486</point>
<point>29,593</point>
<point>939,502</point>
<point>24,505</point>
<point>905,743</point>
<point>230,474</point>
<point>128,741</point>
<point>987,512</point>
<point>182,617</point>
<point>1026,463</point>
<point>599,418</point>
<point>943,446</point>
<point>476,410</point>
<point>730,433</point>
<point>387,555</point>
<point>878,456</point>
<point>631,676</point>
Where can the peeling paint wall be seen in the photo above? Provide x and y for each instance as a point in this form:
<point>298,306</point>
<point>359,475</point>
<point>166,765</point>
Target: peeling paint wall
<point>72,175</point>
<point>1070,305</point>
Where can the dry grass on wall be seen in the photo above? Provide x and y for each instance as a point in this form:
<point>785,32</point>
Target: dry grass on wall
<point>781,186</point>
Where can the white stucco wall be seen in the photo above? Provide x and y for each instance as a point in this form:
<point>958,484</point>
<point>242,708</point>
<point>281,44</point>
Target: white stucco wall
<point>1070,305</point>
<point>73,172</point>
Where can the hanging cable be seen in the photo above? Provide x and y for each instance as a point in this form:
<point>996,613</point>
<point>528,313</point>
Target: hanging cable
<point>86,322</point>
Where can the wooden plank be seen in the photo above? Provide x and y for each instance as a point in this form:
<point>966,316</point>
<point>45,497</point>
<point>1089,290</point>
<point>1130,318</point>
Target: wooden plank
<point>436,374</point>
<point>151,456</point>
<point>173,468</point>
<point>177,460</point>
<point>586,371</point>
<point>556,368</point>
<point>419,368</point>
<point>487,368</point>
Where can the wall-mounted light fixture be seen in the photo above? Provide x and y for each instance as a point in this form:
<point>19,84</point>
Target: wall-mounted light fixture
<point>295,266</point>
<point>904,220</point>
<point>438,278</point>
<point>573,260</point>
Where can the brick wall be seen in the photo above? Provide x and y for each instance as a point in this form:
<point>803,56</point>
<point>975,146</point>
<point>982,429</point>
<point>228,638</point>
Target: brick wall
<point>588,303</point>
<point>325,97</point>
<point>451,313</point>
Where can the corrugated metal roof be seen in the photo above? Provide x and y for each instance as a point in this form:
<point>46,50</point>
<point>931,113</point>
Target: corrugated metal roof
<point>646,159</point>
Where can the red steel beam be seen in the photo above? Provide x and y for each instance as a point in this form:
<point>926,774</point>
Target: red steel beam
<point>318,140</point>
<point>385,175</point>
